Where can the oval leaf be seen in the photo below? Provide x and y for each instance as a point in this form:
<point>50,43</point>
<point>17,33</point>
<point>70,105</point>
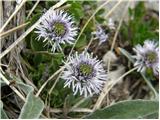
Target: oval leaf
<point>32,108</point>
<point>127,109</point>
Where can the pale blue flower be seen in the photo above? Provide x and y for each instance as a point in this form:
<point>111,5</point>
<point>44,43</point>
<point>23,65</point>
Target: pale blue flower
<point>84,74</point>
<point>56,27</point>
<point>100,34</point>
<point>147,56</point>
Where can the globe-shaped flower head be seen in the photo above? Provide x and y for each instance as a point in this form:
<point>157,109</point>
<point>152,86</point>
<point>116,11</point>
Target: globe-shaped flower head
<point>84,74</point>
<point>100,34</point>
<point>147,56</point>
<point>56,27</point>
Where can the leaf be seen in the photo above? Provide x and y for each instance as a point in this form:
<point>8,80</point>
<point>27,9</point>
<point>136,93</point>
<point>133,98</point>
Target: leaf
<point>76,10</point>
<point>100,19</point>
<point>37,59</point>
<point>32,108</point>
<point>35,44</point>
<point>127,54</point>
<point>35,18</point>
<point>49,3</point>
<point>82,41</point>
<point>3,115</point>
<point>101,11</point>
<point>127,110</point>
<point>26,88</point>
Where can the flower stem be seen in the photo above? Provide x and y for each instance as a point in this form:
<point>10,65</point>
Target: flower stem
<point>150,85</point>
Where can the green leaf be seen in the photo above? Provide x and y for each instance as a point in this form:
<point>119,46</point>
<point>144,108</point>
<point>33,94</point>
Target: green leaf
<point>49,4</point>
<point>139,10</point>
<point>76,10</point>
<point>127,110</point>
<point>82,41</point>
<point>100,19</point>
<point>35,18</point>
<point>26,88</point>
<point>101,11</point>
<point>37,59</point>
<point>32,108</point>
<point>35,44</point>
<point>3,115</point>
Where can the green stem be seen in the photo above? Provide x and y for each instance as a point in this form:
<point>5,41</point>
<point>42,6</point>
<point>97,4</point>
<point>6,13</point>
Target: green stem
<point>150,86</point>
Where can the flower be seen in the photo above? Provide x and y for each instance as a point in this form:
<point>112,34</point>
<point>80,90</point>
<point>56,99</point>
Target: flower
<point>56,27</point>
<point>100,34</point>
<point>84,74</point>
<point>147,56</point>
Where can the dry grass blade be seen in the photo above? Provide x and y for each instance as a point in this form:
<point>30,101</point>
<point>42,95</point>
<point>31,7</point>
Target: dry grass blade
<point>29,14</point>
<point>115,6</point>
<point>50,78</point>
<point>1,14</point>
<point>50,91</point>
<point>5,34</point>
<point>13,14</point>
<point>12,87</point>
<point>78,103</point>
<point>85,110</point>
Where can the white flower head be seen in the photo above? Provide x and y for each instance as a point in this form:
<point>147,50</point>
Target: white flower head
<point>100,34</point>
<point>56,27</point>
<point>84,74</point>
<point>147,56</point>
